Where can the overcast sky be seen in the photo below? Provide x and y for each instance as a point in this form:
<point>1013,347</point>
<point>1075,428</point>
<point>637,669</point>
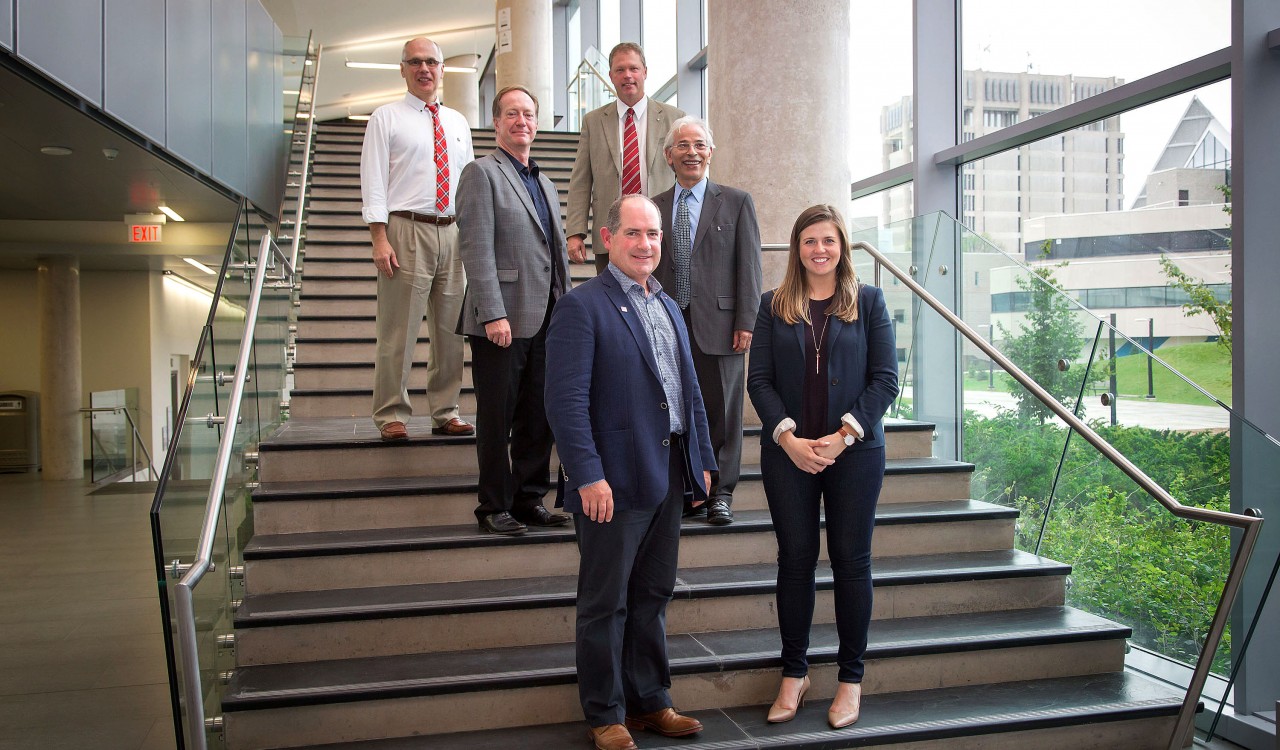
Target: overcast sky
<point>1124,38</point>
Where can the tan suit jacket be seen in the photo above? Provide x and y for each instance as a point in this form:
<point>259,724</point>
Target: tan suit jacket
<point>596,180</point>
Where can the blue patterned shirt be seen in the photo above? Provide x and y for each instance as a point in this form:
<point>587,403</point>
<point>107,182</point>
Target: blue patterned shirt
<point>661,332</point>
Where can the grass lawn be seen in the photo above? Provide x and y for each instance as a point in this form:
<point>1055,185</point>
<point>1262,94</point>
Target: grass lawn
<point>1206,364</point>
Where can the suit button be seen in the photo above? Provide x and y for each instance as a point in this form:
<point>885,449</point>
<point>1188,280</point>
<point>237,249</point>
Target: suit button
<point>666,442</point>
<point>546,268</point>
<point>835,381</point>
<point>662,405</point>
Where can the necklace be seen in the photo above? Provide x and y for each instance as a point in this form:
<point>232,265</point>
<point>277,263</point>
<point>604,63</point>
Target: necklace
<point>818,340</point>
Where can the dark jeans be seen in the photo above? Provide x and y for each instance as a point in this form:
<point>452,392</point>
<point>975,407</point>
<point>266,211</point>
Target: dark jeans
<point>625,580</point>
<point>849,490</point>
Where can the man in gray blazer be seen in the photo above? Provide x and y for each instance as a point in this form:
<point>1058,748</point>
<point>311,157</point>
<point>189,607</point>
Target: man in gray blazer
<point>605,168</point>
<point>513,248</point>
<point>711,266</point>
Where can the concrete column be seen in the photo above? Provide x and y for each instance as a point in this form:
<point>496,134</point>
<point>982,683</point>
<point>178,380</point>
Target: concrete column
<point>788,155</point>
<point>61,424</point>
<point>462,90</point>
<point>526,60</point>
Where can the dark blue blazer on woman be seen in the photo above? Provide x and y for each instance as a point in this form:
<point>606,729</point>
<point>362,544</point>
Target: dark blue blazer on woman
<point>862,368</point>
<point>605,403</point>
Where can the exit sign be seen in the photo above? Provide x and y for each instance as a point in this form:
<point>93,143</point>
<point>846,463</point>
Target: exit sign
<point>144,233</point>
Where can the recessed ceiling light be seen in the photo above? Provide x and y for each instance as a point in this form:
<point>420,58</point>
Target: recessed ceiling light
<point>170,213</point>
<point>308,62</point>
<point>200,265</point>
<point>358,117</point>
<point>291,92</point>
<point>55,151</point>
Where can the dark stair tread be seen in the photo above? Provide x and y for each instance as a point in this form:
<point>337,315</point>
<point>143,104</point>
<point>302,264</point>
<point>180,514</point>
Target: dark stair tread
<point>346,680</point>
<point>341,605</point>
<point>887,718</point>
<point>343,432</point>
<point>412,538</point>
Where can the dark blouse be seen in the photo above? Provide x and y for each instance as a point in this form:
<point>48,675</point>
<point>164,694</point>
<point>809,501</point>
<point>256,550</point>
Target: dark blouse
<point>813,410</point>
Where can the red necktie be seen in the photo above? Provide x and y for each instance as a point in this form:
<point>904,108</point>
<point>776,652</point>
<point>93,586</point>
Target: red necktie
<point>442,161</point>
<point>630,155</point>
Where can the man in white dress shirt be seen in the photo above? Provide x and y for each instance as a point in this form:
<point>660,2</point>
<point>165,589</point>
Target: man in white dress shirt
<point>414,151</point>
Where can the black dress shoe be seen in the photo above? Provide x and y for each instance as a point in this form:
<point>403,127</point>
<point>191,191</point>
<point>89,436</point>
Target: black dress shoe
<point>538,515</point>
<point>718,513</point>
<point>694,511</point>
<point>502,523</point>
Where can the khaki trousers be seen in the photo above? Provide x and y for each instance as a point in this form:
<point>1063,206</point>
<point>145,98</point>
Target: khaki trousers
<point>430,283</point>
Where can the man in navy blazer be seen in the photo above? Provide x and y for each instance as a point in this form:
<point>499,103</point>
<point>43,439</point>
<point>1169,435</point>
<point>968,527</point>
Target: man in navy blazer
<point>624,405</point>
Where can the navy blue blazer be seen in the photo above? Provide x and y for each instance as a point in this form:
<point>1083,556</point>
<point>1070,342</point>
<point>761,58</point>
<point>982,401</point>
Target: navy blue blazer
<point>605,403</point>
<point>862,364</point>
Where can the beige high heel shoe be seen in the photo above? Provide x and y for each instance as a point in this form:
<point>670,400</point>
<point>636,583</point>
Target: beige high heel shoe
<point>841,719</point>
<point>779,714</point>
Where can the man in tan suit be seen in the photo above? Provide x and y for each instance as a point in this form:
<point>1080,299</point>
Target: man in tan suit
<point>605,167</point>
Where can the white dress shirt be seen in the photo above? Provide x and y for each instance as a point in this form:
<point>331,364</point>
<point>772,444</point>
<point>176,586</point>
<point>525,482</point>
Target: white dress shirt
<point>642,130</point>
<point>398,160</point>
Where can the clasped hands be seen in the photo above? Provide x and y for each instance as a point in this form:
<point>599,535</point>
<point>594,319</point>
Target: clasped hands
<point>812,456</point>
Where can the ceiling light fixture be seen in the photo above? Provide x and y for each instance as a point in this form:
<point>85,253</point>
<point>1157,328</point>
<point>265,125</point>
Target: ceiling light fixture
<point>188,283</point>
<point>201,266</point>
<point>291,92</point>
<point>55,151</point>
<point>358,117</point>
<point>396,66</point>
<point>170,213</point>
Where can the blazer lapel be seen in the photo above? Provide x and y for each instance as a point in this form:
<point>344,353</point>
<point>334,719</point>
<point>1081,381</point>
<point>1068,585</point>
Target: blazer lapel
<point>509,171</point>
<point>657,131</point>
<point>798,329</point>
<point>632,319</point>
<point>609,121</point>
<point>711,200</point>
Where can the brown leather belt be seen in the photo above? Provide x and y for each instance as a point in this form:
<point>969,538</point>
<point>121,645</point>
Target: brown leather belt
<point>440,221</point>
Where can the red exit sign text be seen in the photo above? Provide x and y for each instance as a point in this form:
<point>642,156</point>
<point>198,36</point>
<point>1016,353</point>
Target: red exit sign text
<point>144,233</point>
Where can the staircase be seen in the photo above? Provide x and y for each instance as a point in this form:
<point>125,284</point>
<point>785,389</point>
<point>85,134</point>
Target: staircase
<point>378,617</point>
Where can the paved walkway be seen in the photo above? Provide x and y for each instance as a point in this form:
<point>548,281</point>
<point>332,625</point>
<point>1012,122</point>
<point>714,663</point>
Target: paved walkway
<point>1157,415</point>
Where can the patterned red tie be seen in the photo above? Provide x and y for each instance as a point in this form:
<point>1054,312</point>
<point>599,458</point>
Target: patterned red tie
<point>442,161</point>
<point>630,155</point>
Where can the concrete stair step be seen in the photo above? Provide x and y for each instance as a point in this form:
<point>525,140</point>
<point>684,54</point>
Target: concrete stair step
<point>355,699</point>
<point>433,618</point>
<point>316,561</point>
<point>1115,710</point>
<point>358,402</point>
<point>346,375</point>
<point>355,348</point>
<point>347,504</point>
<point>340,448</point>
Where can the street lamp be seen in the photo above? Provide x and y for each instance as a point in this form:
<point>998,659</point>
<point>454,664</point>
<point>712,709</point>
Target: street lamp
<point>1151,348</point>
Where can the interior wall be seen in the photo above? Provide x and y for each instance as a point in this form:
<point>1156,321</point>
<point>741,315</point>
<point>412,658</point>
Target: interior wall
<point>178,314</point>
<point>19,332</point>
<point>115,339</point>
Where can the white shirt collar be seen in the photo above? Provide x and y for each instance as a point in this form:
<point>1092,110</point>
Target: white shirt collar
<point>640,108</point>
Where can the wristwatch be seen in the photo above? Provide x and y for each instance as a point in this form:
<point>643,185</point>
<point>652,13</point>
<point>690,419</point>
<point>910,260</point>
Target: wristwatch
<point>846,434</point>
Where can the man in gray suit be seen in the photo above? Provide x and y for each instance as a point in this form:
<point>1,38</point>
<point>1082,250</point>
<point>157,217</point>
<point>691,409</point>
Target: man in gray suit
<point>513,248</point>
<point>605,167</point>
<point>711,266</point>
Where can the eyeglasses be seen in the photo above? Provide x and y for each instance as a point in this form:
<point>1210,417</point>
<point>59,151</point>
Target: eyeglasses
<point>698,146</point>
<point>416,62</point>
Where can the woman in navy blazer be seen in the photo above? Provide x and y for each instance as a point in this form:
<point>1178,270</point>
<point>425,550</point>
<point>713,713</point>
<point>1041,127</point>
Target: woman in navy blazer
<point>823,372</point>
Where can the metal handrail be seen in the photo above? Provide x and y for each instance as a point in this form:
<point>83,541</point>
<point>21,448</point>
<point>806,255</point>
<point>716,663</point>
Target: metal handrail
<point>306,161</point>
<point>186,630</point>
<point>137,437</point>
<point>1250,522</point>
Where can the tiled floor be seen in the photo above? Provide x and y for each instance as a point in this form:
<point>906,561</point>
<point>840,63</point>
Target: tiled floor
<point>81,653</point>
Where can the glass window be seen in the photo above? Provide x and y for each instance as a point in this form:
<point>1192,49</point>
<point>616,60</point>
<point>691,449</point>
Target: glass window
<point>658,18</point>
<point>880,114</point>
<point>1065,52</point>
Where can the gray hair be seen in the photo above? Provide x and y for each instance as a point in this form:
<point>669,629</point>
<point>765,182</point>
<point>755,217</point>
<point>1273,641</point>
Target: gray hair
<point>670,140</point>
<point>614,222</point>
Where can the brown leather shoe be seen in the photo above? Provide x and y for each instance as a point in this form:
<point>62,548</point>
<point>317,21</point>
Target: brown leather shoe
<point>611,737</point>
<point>454,427</point>
<point>666,722</point>
<point>394,431</point>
